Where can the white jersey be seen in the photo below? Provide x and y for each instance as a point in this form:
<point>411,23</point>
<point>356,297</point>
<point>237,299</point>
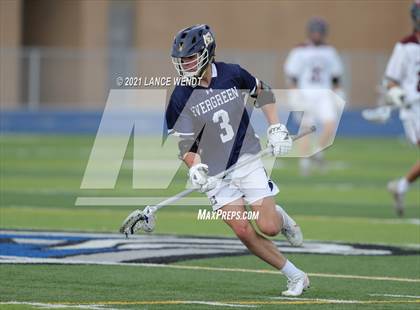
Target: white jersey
<point>313,66</point>
<point>404,67</point>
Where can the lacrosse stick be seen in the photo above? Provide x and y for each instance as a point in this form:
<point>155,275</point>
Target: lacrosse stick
<point>145,219</point>
<point>382,113</point>
<point>377,115</point>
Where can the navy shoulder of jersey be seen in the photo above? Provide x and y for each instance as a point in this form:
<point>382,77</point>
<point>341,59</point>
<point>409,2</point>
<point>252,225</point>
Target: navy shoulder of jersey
<point>177,101</point>
<point>180,95</point>
<point>243,78</point>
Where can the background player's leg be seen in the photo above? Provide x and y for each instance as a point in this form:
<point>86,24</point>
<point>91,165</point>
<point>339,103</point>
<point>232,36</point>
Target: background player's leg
<point>326,115</point>
<point>399,187</point>
<point>307,104</point>
<point>414,173</point>
<point>324,140</point>
<point>304,146</point>
<point>327,132</point>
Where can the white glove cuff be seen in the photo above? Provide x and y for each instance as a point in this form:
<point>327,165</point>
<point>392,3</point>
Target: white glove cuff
<point>198,174</point>
<point>276,128</point>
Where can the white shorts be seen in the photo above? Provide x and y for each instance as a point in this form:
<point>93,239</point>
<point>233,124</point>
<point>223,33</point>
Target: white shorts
<point>318,106</point>
<point>410,119</point>
<point>250,183</point>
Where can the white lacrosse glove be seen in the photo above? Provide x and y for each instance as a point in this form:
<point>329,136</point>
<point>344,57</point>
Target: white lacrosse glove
<point>279,140</point>
<point>395,96</point>
<point>199,178</point>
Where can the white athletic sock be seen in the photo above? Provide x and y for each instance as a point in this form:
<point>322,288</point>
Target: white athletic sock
<point>319,156</point>
<point>305,166</point>
<point>304,163</point>
<point>403,185</point>
<point>290,270</point>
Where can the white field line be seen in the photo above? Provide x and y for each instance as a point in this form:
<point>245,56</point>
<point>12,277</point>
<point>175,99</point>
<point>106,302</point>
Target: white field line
<point>136,201</point>
<point>58,305</point>
<point>6,259</point>
<point>344,301</point>
<point>220,304</point>
<point>321,275</point>
<point>103,306</point>
<point>148,164</point>
<point>412,221</point>
<point>396,295</point>
<point>333,301</point>
<point>376,278</point>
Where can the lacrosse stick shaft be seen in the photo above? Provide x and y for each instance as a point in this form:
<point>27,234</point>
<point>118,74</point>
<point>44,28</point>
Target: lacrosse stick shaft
<point>261,154</point>
<point>406,105</point>
<point>222,174</point>
<point>175,198</point>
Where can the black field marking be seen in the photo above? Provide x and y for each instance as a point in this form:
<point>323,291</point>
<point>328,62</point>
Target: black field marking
<point>180,258</point>
<point>162,249</point>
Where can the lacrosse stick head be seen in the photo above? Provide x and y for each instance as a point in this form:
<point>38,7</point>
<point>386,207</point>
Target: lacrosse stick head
<point>149,219</point>
<point>139,220</point>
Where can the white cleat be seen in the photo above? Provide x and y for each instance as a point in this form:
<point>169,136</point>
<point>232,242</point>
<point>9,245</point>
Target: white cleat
<point>398,197</point>
<point>296,286</point>
<point>290,229</point>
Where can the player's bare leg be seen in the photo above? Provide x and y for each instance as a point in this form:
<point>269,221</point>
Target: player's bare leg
<point>273,219</point>
<point>304,146</point>
<point>399,187</point>
<point>257,244</point>
<point>327,133</point>
<point>265,249</point>
<point>324,140</point>
<point>414,173</point>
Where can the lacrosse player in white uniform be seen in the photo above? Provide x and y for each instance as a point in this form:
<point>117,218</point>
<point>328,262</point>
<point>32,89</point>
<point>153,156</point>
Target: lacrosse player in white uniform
<point>309,68</point>
<point>402,80</point>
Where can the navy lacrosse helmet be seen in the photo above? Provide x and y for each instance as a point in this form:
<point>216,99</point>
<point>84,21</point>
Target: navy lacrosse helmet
<point>415,14</point>
<point>197,40</point>
<point>318,25</point>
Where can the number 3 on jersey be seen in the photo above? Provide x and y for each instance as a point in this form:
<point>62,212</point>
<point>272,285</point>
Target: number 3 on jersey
<point>222,117</point>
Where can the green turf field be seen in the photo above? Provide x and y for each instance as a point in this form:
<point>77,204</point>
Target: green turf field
<point>40,182</point>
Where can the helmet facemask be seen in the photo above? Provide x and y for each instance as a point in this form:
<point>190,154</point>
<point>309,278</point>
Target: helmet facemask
<point>185,69</point>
